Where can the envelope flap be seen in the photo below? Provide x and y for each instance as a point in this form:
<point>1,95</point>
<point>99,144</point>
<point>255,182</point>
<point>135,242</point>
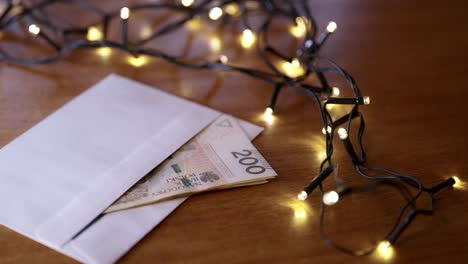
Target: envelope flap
<point>108,187</point>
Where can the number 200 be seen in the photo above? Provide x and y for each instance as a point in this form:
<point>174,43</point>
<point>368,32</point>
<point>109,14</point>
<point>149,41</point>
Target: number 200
<point>249,161</point>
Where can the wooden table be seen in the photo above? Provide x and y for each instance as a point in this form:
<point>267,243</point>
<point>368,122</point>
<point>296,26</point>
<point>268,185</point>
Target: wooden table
<point>408,56</point>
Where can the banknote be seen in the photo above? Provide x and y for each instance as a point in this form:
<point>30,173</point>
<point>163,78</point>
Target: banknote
<point>221,156</point>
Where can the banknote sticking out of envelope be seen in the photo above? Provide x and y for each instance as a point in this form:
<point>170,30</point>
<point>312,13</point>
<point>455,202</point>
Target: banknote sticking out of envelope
<point>59,177</point>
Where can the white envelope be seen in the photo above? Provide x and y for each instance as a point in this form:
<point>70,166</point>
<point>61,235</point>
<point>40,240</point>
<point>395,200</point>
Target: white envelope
<point>110,237</point>
<point>62,173</point>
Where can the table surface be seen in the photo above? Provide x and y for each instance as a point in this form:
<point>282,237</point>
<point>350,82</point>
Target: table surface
<point>408,56</point>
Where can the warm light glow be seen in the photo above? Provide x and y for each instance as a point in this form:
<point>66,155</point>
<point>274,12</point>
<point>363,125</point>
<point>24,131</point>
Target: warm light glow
<point>342,133</point>
<point>194,24</point>
<point>300,28</point>
<point>268,115</point>
<point>223,59</point>
<point>459,184</point>
<point>302,196</point>
<point>104,52</point>
<point>293,69</point>
<point>232,9</point>
<point>215,43</point>
<point>331,27</point>
<point>137,61</point>
<point>248,38</point>
<point>329,130</point>
<point>385,250</point>
<point>330,198</point>
<point>94,34</point>
<point>124,13</point>
<point>146,31</point>
<point>335,91</point>
<point>186,2</point>
<point>33,29</point>
<point>366,100</point>
<point>215,13</point>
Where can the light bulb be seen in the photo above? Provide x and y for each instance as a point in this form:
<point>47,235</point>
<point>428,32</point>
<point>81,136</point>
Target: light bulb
<point>223,59</point>
<point>335,91</point>
<point>293,69</point>
<point>215,43</point>
<point>33,29</point>
<point>302,196</point>
<point>232,9</point>
<point>330,198</point>
<point>247,38</point>
<point>268,115</point>
<point>300,28</point>
<point>331,27</point>
<point>124,13</point>
<point>459,184</point>
<point>215,13</point>
<point>342,133</point>
<point>186,3</point>
<point>329,130</point>
<point>385,249</point>
<point>94,34</point>
<point>366,100</point>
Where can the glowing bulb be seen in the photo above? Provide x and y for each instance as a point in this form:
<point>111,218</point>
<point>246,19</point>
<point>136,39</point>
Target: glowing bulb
<point>330,198</point>
<point>342,133</point>
<point>33,29</point>
<point>224,59</point>
<point>232,9</point>
<point>299,29</point>
<point>137,61</point>
<point>268,115</point>
<point>215,43</point>
<point>124,13</point>
<point>335,91</point>
<point>366,100</point>
<point>293,69</point>
<point>94,34</point>
<point>302,196</point>
<point>104,52</point>
<point>146,31</point>
<point>186,2</point>
<point>215,13</point>
<point>329,130</point>
<point>331,27</point>
<point>248,38</point>
<point>385,249</point>
<point>459,184</point>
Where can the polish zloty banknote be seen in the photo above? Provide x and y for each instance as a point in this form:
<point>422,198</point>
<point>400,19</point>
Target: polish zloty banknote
<point>221,156</point>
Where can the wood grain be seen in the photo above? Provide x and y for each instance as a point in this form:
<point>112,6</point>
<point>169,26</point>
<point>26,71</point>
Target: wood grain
<point>410,57</point>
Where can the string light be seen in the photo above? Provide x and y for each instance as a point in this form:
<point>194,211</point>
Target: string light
<point>342,133</point>
<point>268,115</point>
<point>331,27</point>
<point>215,13</point>
<point>232,9</point>
<point>34,29</point>
<point>385,250</point>
<point>329,130</point>
<point>215,43</point>
<point>330,198</point>
<point>124,13</point>
<point>94,34</point>
<point>247,38</point>
<point>293,68</point>
<point>299,30</point>
<point>459,184</point>
<point>302,196</point>
<point>224,59</point>
<point>335,91</point>
<point>186,3</point>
